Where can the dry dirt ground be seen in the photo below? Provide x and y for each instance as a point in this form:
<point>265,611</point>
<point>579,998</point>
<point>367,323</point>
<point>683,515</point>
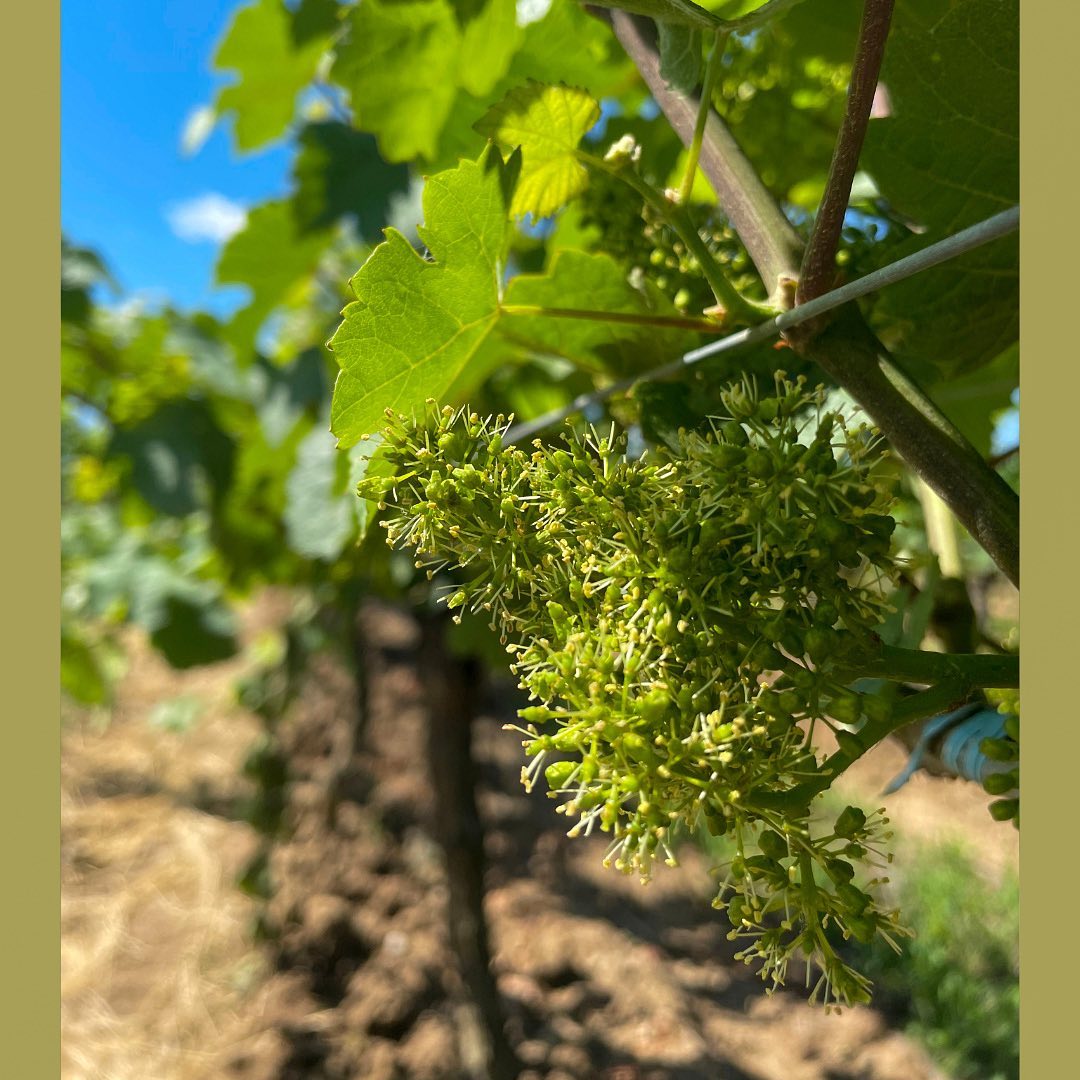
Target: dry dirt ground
<point>598,976</point>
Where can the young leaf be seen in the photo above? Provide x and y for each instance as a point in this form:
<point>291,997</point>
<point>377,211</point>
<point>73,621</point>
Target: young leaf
<point>415,325</point>
<point>547,122</point>
<point>276,53</point>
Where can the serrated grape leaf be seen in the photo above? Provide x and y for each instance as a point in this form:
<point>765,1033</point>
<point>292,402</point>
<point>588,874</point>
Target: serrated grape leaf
<point>415,325</point>
<point>547,123</point>
<point>319,515</point>
<point>276,53</point>
<point>680,55</point>
<point>947,157</point>
<point>338,171</point>
<point>271,255</point>
<point>578,280</point>
<point>489,39</point>
<point>399,64</point>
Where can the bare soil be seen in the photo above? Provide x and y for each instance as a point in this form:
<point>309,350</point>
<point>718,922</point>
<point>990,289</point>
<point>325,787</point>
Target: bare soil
<point>599,977</point>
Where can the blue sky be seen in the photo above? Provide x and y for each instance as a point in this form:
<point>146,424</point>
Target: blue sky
<point>132,73</point>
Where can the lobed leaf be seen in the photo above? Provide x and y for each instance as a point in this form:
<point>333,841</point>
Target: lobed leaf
<point>415,324</point>
<point>547,123</point>
<point>276,53</point>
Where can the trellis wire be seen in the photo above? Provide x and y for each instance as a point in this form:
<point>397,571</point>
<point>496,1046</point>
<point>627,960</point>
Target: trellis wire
<point>958,244</point>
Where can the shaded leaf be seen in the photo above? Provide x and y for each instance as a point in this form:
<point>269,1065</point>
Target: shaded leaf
<point>973,402</point>
<point>415,324</point>
<point>947,157</point>
<point>547,123</point>
<point>338,171</point>
<point>194,633</point>
<point>319,516</point>
<point>180,457</point>
<point>680,55</point>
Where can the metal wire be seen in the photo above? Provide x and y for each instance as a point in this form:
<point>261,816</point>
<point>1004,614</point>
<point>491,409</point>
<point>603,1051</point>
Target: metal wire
<point>992,228</point>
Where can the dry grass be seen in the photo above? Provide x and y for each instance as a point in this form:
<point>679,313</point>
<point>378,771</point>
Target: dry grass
<point>159,976</point>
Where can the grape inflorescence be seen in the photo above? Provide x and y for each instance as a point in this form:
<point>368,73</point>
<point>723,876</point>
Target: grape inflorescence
<point>681,621</point>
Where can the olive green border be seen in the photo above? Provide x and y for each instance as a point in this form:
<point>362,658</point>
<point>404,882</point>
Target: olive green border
<point>29,796</point>
<point>1051,387</point>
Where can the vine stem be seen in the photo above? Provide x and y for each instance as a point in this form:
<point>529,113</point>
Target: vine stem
<point>668,322</point>
<point>846,349</point>
<point>712,71</point>
<point>818,270</point>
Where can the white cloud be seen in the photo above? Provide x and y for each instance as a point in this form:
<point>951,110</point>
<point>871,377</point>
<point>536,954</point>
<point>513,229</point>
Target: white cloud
<point>207,217</point>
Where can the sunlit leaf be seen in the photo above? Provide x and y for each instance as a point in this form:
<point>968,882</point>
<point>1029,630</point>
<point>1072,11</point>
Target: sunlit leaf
<point>416,324</point>
<point>547,123</point>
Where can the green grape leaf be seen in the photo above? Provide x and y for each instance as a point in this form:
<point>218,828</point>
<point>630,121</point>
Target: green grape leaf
<point>338,171</point>
<point>284,395</point>
<point>488,42</point>
<point>81,676</point>
<point>399,64</point>
<point>686,13</point>
<point>680,55</point>
<point>193,633</point>
<point>579,280</point>
<point>319,517</point>
<point>948,156</point>
<point>415,325</point>
<point>276,53</point>
<point>974,401</point>
<point>181,460</point>
<point>547,123</point>
<point>272,255</point>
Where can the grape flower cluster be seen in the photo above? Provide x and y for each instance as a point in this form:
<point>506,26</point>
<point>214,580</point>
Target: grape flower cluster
<point>680,621</point>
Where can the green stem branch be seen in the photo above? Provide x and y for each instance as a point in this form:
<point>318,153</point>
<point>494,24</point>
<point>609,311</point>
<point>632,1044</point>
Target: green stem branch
<point>937,699</point>
<point>665,322</point>
<point>920,666</point>
<point>712,71</point>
